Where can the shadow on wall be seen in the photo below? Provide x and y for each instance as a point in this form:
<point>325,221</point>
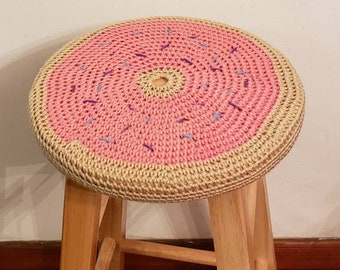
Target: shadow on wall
<point>26,178</point>
<point>187,220</point>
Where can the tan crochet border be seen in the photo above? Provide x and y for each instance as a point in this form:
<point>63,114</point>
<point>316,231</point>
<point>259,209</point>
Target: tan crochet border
<point>180,182</point>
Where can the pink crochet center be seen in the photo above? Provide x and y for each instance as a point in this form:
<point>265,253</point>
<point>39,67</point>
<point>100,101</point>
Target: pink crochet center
<point>230,86</point>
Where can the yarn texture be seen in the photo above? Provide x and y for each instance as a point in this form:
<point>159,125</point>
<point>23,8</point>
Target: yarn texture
<point>166,109</point>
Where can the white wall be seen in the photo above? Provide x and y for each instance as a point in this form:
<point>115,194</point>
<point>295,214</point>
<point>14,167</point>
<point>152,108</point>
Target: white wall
<point>304,189</point>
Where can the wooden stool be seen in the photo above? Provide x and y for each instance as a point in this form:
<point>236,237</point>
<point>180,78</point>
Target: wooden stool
<point>166,110</point>
<point>240,220</point>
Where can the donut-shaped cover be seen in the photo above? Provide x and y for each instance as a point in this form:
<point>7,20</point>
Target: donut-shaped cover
<point>166,109</point>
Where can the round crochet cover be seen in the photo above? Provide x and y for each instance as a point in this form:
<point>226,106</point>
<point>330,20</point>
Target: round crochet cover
<point>166,109</point>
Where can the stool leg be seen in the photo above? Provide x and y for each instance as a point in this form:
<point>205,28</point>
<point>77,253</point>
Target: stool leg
<point>113,226</point>
<point>263,237</point>
<point>229,219</point>
<point>80,227</point>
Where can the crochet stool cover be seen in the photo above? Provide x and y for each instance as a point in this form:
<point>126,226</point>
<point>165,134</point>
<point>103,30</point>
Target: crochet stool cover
<point>166,109</point>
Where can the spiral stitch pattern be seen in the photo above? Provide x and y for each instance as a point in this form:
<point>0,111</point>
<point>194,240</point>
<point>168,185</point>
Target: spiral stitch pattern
<point>166,109</point>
